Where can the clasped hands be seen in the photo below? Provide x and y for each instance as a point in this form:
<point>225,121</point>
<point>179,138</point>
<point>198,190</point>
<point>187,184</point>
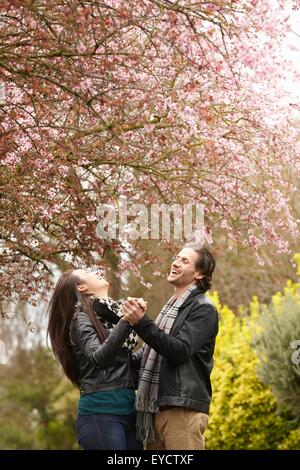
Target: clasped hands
<point>134,309</point>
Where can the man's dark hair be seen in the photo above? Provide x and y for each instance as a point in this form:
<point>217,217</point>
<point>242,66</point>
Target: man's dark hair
<point>205,264</point>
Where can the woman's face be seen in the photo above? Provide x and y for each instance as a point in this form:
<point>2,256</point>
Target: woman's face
<point>91,283</point>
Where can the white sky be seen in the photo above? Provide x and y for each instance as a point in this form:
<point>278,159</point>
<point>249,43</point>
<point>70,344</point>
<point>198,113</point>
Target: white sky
<point>292,51</point>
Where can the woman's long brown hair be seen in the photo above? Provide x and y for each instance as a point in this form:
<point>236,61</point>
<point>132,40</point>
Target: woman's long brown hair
<point>63,304</point>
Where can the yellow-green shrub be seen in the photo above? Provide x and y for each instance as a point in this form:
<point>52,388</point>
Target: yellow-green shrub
<point>277,346</point>
<point>243,411</point>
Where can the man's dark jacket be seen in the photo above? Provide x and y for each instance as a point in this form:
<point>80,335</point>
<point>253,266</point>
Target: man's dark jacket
<point>187,353</point>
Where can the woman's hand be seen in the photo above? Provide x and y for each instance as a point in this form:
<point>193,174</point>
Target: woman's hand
<point>134,309</point>
<point>142,303</point>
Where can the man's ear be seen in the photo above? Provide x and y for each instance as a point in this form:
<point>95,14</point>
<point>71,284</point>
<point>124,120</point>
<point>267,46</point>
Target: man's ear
<point>199,276</point>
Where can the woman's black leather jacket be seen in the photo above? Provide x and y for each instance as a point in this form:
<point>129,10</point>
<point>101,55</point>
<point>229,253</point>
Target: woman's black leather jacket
<point>106,366</point>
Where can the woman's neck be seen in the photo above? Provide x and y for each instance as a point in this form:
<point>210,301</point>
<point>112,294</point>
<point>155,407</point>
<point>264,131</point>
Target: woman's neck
<point>101,294</point>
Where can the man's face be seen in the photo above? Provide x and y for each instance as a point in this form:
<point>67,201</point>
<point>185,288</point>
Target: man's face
<point>183,269</point>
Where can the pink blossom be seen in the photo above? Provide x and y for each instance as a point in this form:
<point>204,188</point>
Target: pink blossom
<point>149,128</point>
<point>81,48</point>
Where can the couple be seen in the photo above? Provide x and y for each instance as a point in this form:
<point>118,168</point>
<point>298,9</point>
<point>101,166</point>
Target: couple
<point>93,337</point>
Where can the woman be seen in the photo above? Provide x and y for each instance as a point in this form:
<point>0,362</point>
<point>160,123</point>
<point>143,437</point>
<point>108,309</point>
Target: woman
<point>96,359</point>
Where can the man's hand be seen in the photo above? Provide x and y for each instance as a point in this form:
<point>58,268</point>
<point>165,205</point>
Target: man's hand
<point>134,309</point>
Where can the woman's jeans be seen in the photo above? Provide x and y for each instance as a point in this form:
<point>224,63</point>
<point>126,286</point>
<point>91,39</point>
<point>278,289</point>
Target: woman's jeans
<point>107,432</point>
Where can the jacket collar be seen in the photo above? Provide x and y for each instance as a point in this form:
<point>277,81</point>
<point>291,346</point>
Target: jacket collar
<point>191,297</point>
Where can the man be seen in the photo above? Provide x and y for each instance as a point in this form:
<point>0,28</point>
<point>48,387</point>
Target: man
<point>174,390</point>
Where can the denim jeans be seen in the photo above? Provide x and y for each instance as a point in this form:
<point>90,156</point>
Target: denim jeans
<point>107,432</point>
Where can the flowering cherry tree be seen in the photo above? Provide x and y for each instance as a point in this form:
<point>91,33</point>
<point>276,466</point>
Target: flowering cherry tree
<point>156,100</point>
